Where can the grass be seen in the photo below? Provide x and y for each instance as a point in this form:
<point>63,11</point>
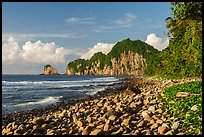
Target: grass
<point>181,107</point>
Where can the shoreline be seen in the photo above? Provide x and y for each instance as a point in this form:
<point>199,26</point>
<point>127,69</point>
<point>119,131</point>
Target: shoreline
<point>63,103</point>
<point>149,90</point>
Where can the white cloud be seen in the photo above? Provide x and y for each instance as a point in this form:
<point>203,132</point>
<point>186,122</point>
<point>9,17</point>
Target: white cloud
<point>157,42</point>
<point>126,20</point>
<point>77,20</point>
<point>42,53</point>
<point>10,51</point>
<point>105,48</point>
<point>38,53</point>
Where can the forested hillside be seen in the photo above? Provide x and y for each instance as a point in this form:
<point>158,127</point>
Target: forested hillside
<point>127,57</point>
<point>183,56</point>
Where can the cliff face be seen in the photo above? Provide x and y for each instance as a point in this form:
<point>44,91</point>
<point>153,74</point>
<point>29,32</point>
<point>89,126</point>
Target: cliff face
<point>50,71</point>
<point>126,58</point>
<point>130,64</point>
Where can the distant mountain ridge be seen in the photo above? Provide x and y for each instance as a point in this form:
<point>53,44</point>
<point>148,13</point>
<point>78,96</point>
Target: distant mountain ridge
<point>127,57</point>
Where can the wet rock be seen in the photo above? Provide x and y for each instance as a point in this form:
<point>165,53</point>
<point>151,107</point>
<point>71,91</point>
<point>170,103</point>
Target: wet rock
<point>10,133</point>
<point>14,125</point>
<point>128,92</point>
<point>73,131</point>
<point>18,131</point>
<point>44,125</point>
<point>5,130</point>
<point>9,125</point>
<point>138,97</point>
<point>50,133</point>
<point>38,121</point>
<point>64,130</point>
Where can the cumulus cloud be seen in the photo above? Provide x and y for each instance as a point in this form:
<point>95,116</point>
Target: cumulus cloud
<point>32,53</point>
<point>105,48</point>
<point>157,42</point>
<point>42,53</point>
<point>10,51</point>
<point>77,20</point>
<point>126,20</point>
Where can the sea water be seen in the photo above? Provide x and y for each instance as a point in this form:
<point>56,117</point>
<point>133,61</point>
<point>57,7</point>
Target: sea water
<point>24,92</point>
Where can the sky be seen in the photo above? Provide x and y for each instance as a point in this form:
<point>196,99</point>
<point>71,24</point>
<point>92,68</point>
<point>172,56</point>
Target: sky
<point>38,33</point>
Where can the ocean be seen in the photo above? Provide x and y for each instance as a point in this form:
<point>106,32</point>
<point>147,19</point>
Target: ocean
<point>24,92</point>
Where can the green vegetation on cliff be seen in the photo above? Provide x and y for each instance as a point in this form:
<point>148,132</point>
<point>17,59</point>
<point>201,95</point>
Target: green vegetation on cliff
<point>47,66</point>
<point>78,65</point>
<point>183,56</point>
<point>136,46</point>
<point>98,57</point>
<point>124,46</point>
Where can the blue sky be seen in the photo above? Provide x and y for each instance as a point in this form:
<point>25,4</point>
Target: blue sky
<point>78,26</point>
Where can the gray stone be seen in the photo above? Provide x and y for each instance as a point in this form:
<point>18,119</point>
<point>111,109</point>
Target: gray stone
<point>175,125</point>
<point>194,108</point>
<point>146,115</point>
<point>152,109</point>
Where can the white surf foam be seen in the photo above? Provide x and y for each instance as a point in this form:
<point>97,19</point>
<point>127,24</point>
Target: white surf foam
<point>46,101</point>
<point>95,90</point>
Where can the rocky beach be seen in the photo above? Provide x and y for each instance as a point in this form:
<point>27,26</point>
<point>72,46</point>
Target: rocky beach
<point>132,108</point>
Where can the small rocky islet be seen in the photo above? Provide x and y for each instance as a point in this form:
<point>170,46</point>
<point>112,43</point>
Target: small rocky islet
<point>135,109</point>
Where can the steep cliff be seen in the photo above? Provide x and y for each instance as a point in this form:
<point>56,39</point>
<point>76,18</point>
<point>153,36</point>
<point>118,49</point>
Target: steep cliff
<point>126,58</point>
<point>49,70</point>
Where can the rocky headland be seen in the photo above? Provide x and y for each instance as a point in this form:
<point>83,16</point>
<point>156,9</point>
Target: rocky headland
<point>49,70</point>
<point>134,108</point>
<point>127,57</point>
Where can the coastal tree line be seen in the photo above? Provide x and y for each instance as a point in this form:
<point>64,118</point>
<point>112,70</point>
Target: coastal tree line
<point>183,56</point>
